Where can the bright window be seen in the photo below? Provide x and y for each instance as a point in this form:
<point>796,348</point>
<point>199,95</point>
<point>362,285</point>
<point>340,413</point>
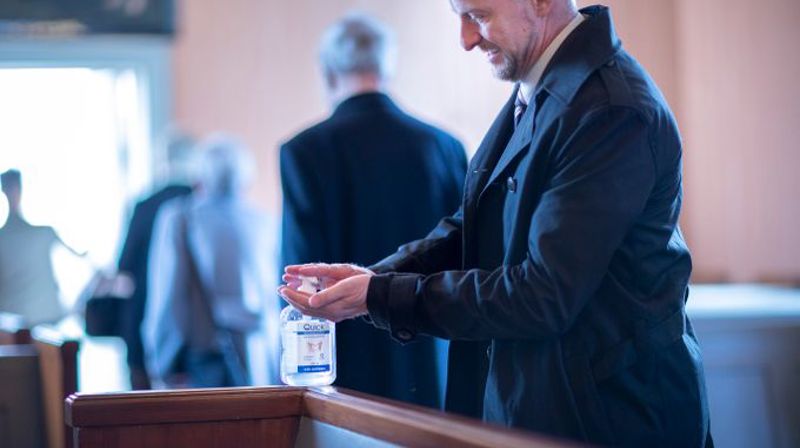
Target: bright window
<point>79,137</point>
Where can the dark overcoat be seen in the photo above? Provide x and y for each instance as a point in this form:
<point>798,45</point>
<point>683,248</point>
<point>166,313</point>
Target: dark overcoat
<point>134,260</point>
<point>356,187</point>
<point>562,280</point>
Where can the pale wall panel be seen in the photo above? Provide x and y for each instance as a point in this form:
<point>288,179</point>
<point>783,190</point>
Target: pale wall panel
<point>249,67</point>
<point>741,110</point>
<point>727,68</point>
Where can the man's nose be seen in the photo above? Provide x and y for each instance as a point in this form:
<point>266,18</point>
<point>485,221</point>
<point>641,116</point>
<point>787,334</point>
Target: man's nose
<point>470,37</point>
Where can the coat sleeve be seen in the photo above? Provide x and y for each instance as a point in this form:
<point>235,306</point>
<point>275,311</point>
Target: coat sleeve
<point>441,248</point>
<point>601,176</point>
<point>303,233</point>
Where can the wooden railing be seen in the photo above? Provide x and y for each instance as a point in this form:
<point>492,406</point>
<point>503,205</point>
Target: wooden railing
<point>13,330</point>
<point>58,371</point>
<point>272,416</point>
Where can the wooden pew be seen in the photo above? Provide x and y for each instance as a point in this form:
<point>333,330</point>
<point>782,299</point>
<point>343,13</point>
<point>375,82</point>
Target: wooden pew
<point>58,367</point>
<point>58,370</point>
<point>274,417</point>
<point>13,329</point>
<point>20,401</point>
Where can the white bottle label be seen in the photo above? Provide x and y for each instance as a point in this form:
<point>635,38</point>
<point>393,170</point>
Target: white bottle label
<point>313,346</point>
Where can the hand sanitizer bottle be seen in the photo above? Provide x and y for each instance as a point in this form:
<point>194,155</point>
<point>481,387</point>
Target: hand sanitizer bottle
<point>308,346</point>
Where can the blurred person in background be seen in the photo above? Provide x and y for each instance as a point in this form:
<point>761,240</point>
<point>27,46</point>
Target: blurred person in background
<point>27,283</point>
<point>358,185</point>
<point>206,277</point>
<point>176,181</point>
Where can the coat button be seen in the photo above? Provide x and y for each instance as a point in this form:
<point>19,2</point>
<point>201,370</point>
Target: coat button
<point>511,184</point>
<point>404,335</point>
<point>610,63</point>
<point>489,352</point>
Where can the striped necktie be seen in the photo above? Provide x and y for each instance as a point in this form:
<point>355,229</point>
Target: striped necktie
<point>520,105</point>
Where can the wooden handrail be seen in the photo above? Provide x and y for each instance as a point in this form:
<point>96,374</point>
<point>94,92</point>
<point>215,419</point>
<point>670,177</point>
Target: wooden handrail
<point>421,427</point>
<point>181,406</point>
<point>13,329</point>
<point>167,416</point>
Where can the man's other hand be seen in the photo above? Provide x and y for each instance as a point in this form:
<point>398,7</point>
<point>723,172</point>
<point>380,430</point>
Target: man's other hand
<point>344,295</point>
<point>328,274</point>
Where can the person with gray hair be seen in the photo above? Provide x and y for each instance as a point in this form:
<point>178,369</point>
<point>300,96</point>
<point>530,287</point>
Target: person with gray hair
<point>225,167</point>
<point>357,54</point>
<point>206,276</point>
<point>359,184</point>
<point>175,179</point>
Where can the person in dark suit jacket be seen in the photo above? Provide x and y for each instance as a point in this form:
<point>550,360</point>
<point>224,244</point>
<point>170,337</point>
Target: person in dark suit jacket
<point>358,185</point>
<point>562,280</point>
<point>135,255</point>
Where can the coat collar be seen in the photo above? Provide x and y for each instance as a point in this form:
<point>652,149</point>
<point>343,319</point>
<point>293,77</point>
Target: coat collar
<point>588,47</point>
<point>371,101</point>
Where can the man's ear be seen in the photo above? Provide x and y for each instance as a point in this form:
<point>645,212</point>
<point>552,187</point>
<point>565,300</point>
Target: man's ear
<point>330,79</point>
<point>542,8</point>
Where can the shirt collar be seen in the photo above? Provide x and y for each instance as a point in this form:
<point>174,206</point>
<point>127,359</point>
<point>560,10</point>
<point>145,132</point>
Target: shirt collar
<point>529,82</point>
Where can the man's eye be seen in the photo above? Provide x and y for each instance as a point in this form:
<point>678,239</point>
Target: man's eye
<point>476,18</point>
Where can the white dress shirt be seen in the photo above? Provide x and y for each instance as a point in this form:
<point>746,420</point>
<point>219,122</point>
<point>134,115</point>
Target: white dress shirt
<point>528,84</point>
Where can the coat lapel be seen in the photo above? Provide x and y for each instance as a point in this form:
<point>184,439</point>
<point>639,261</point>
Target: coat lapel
<point>489,151</point>
<point>520,140</point>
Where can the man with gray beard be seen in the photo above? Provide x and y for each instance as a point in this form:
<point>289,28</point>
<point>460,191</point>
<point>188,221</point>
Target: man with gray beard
<point>562,279</point>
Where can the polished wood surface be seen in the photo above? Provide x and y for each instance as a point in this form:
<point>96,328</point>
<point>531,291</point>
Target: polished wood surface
<point>181,406</point>
<point>409,425</point>
<point>273,432</point>
<point>58,363</point>
<point>269,416</point>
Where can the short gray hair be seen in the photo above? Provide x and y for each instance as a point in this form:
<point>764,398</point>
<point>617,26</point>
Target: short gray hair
<point>181,157</point>
<point>227,166</point>
<point>358,43</point>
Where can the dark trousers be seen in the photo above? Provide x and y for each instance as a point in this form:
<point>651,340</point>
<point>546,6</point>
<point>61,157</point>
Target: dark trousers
<point>225,367</point>
<point>208,369</point>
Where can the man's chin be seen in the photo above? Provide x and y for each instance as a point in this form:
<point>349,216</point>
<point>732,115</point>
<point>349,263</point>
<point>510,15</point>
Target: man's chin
<point>503,73</point>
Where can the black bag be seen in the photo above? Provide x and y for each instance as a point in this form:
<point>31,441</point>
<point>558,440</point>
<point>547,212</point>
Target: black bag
<point>107,303</point>
<point>104,316</point>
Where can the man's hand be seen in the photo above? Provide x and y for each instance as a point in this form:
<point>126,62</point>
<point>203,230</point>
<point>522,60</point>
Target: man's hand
<point>344,296</point>
<point>328,274</point>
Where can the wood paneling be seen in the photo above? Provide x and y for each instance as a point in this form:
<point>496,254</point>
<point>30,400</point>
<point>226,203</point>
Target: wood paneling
<point>274,432</point>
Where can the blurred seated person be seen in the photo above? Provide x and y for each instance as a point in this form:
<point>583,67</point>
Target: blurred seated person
<point>205,278</point>
<point>133,260</point>
<point>27,283</point>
